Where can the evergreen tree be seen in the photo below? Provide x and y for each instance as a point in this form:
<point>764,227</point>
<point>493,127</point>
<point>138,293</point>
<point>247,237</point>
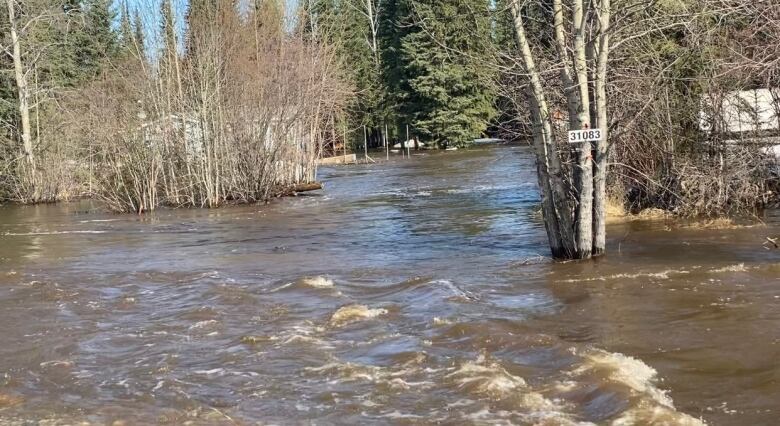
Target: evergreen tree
<point>8,93</point>
<point>345,25</point>
<point>125,39</point>
<point>140,39</point>
<point>503,28</point>
<point>270,17</point>
<point>395,25</point>
<point>169,67</point>
<point>96,42</point>
<point>168,30</point>
<point>451,89</point>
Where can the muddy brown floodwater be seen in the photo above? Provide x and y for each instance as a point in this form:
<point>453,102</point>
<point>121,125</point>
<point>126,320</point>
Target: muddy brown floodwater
<point>409,292</point>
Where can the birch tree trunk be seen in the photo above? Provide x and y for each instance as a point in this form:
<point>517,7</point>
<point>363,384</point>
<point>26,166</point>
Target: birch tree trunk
<point>22,87</point>
<point>576,233</point>
<point>555,210</point>
<point>600,174</point>
<point>372,16</point>
<point>585,160</point>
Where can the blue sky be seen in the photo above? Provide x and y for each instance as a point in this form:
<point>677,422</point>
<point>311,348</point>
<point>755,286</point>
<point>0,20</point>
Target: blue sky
<point>150,15</point>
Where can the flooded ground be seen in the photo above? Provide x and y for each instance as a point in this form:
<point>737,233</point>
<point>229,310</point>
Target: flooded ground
<point>409,292</point>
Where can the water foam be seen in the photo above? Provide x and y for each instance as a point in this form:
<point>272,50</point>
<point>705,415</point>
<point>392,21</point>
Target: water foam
<point>489,379</point>
<point>663,275</point>
<point>628,371</point>
<point>25,234</point>
<point>393,379</point>
<point>740,267</point>
<point>456,291</point>
<point>654,405</point>
<point>352,313</point>
<point>486,378</point>
<point>649,414</point>
<point>317,282</point>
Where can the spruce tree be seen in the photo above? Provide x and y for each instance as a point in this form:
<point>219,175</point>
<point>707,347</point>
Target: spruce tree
<point>140,39</point>
<point>125,40</point>
<point>168,30</point>
<point>96,42</point>
<point>394,26</point>
<point>8,93</point>
<point>345,25</point>
<point>169,67</point>
<point>451,95</point>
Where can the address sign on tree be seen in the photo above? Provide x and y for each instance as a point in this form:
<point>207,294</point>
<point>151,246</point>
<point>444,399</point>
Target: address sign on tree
<point>584,135</point>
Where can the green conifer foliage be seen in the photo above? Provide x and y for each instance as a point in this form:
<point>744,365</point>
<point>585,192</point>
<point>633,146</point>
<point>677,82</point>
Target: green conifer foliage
<point>168,30</point>
<point>139,38</point>
<point>450,84</point>
<point>125,40</point>
<point>96,42</point>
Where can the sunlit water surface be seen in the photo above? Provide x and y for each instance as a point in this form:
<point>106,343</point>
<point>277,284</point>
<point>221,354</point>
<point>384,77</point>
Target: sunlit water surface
<point>411,291</point>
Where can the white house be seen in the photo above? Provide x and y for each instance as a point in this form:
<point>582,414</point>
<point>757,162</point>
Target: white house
<point>741,111</point>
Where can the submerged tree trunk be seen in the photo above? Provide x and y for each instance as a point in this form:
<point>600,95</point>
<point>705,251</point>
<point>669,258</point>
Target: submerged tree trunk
<point>574,220</point>
<point>600,175</point>
<point>555,209</point>
<point>584,159</point>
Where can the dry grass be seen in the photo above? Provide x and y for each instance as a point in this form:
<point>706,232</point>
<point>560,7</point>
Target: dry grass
<point>617,213</point>
<point>721,224</point>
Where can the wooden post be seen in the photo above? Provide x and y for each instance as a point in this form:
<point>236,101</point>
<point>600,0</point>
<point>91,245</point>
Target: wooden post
<point>407,141</point>
<point>365,143</point>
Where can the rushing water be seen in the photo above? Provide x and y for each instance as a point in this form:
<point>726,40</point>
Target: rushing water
<point>412,291</point>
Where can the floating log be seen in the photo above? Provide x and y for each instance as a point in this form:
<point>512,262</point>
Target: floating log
<point>304,187</point>
<point>301,187</point>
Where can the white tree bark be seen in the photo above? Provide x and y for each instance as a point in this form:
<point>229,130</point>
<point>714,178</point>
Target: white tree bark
<point>602,147</point>
<point>569,88</point>
<point>584,160</point>
<point>580,233</point>
<point>21,85</point>
<point>554,203</point>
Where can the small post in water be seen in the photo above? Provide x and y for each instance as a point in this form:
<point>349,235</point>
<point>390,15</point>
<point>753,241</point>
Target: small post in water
<point>365,143</point>
<point>345,142</point>
<point>407,141</point>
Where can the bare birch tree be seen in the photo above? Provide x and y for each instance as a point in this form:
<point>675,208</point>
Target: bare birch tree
<point>20,77</point>
<point>237,119</point>
<point>573,198</point>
